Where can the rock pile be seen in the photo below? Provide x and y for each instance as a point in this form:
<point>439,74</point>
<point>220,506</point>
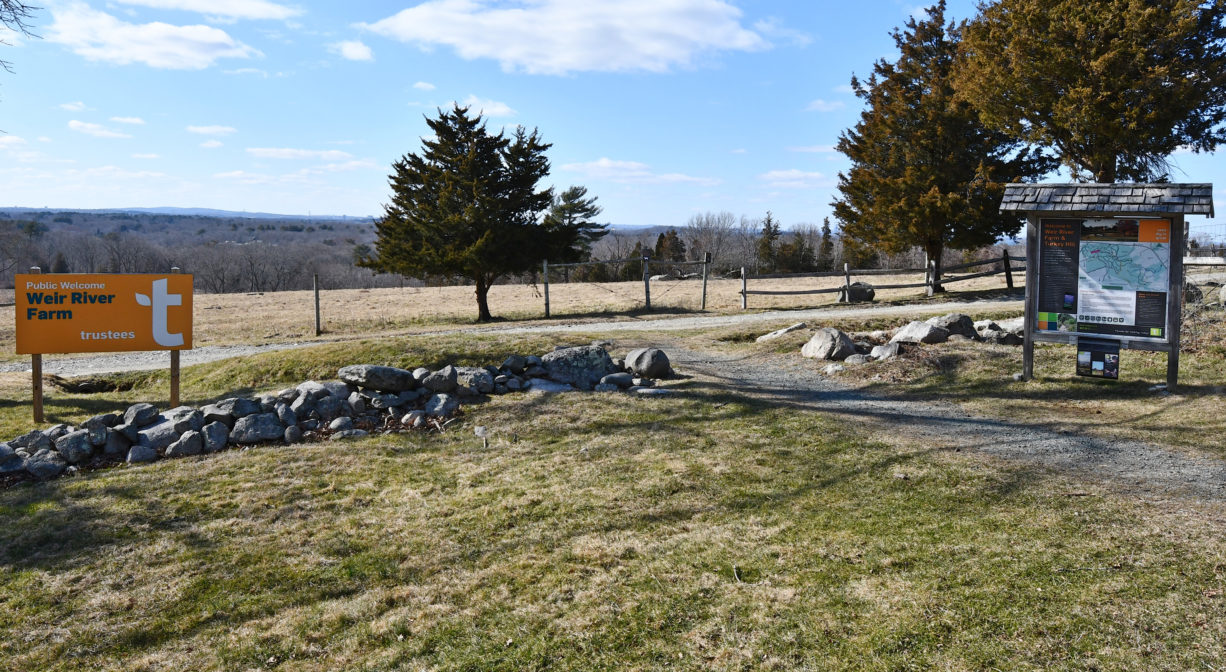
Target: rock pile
<point>831,344</point>
<point>367,398</point>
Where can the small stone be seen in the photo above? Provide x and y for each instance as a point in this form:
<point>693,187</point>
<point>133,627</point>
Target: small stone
<point>140,415</point>
<point>293,434</point>
<point>139,454</point>
<point>341,424</point>
<point>857,359</point>
<point>832,369</point>
<point>116,445</point>
<point>441,405</point>
<point>606,387</point>
<point>46,463</point>
<point>75,446</point>
<point>191,443</point>
<point>215,436</point>
<point>349,434</point>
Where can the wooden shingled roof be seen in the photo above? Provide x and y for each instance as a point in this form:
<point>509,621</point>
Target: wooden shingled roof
<point>1185,199</point>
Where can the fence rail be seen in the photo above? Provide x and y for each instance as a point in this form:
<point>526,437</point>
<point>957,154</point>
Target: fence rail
<point>646,260</point>
<point>931,282</point>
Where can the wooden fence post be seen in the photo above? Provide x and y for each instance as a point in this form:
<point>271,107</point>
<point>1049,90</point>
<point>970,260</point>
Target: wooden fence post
<point>706,265</point>
<point>36,371</point>
<point>646,281</point>
<point>174,365</point>
<point>744,290</point>
<point>1008,269</point>
<point>846,283</point>
<point>315,285</point>
<point>545,279</point>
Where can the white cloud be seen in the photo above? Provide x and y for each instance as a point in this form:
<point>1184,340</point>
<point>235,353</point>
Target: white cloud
<point>557,37</point>
<point>298,154</point>
<point>96,130</point>
<point>844,88</point>
<point>76,106</point>
<point>248,71</point>
<point>352,50</point>
<point>146,156</point>
<point>632,172</point>
<point>740,150</point>
<point>135,121</point>
<point>792,179</point>
<point>814,149</point>
<point>212,130</point>
<point>11,141</point>
<point>489,108</point>
<point>211,144</point>
<point>774,28</point>
<point>98,36</point>
<point>820,105</point>
<point>226,9</point>
<point>423,86</point>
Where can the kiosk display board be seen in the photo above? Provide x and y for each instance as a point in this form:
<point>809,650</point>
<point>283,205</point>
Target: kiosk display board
<point>1105,278</point>
<point>103,312</point>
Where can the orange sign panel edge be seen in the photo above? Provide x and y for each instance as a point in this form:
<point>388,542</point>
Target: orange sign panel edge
<point>63,313</point>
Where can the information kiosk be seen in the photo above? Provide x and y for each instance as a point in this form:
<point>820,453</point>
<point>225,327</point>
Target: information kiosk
<point>1104,268</point>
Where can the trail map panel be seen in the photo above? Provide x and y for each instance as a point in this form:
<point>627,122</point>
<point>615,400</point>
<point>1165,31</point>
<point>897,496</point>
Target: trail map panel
<point>1105,277</point>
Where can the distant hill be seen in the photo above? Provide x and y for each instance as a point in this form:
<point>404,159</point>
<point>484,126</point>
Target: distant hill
<point>188,212</point>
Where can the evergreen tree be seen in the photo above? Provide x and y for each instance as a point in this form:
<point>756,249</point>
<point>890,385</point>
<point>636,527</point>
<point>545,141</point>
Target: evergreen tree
<point>59,264</point>
<point>574,209</point>
<point>633,270</point>
<point>768,241</point>
<point>925,172</point>
<point>825,253</point>
<point>795,256</point>
<point>468,206</point>
<point>1112,87</point>
<point>669,247</point>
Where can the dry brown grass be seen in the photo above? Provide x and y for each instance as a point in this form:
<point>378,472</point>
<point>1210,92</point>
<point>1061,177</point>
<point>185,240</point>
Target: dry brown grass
<point>272,317</point>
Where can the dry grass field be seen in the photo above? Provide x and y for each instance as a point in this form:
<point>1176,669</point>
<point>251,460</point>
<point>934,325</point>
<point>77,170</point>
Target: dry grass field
<point>251,319</point>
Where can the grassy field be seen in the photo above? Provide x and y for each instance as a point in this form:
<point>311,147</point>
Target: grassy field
<point>708,530</point>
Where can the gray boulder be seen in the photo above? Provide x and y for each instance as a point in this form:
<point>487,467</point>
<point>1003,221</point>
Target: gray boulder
<point>215,435</point>
<point>229,410</point>
<point>1192,295</point>
<point>139,415</point>
<point>46,463</point>
<point>887,351</point>
<point>337,388</point>
<point>781,332</point>
<point>97,427</point>
<point>191,443</point>
<point>293,434</point>
<point>1015,325</point>
<point>116,444</point>
<point>441,405</point>
<point>381,378</point>
<point>620,379</point>
<point>986,325</point>
<point>138,454</point>
<point>157,436</point>
<point>347,434</point>
<point>476,379</point>
<point>829,343</point>
<point>31,442</point>
<point>956,323</point>
<point>515,364</point>
<point>857,292</point>
<point>921,332</point>
<point>857,359</point>
<point>303,406</point>
<point>606,387</point>
<point>341,424</point>
<point>10,461</point>
<point>546,385</point>
<point>74,447</point>
<point>313,389</point>
<point>582,367</point>
<point>185,419</point>
<point>330,408</point>
<point>257,428</point>
<point>285,414</point>
<point>649,363</point>
<point>443,380</point>
<point>420,374</point>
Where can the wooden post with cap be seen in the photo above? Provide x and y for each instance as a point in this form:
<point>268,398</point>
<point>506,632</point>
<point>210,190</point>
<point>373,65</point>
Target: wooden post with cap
<point>36,372</point>
<point>174,366</point>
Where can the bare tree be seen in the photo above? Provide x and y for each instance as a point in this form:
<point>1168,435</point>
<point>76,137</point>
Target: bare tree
<point>16,16</point>
<point>710,232</point>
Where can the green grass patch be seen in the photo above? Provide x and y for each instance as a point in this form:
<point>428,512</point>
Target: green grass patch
<point>701,531</point>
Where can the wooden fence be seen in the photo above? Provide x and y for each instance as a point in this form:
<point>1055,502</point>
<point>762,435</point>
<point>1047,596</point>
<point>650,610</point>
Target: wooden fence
<point>1005,261</point>
<point>646,260</point>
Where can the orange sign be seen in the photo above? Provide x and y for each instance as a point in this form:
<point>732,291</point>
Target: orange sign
<point>1154,231</point>
<point>103,313</point>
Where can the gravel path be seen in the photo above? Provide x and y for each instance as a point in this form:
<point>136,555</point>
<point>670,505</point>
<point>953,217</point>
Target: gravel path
<point>76,365</point>
<point>1127,466</point>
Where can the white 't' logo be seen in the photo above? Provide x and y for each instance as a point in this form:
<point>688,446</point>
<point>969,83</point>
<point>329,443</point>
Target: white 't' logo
<point>162,301</point>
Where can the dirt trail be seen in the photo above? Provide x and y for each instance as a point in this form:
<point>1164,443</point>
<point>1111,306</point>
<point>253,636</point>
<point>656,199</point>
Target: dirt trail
<point>1126,466</point>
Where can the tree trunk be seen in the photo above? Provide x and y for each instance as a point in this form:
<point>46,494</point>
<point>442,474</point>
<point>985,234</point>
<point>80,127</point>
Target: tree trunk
<point>483,303</point>
<point>935,251</point>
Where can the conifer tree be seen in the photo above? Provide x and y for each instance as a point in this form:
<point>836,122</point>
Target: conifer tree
<point>1111,87</point>
<point>925,172</point>
<point>574,209</point>
<point>468,206</point>
<point>825,251</point>
<point>768,241</point>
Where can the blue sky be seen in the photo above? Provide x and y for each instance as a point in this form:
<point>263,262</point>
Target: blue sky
<point>661,108</point>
